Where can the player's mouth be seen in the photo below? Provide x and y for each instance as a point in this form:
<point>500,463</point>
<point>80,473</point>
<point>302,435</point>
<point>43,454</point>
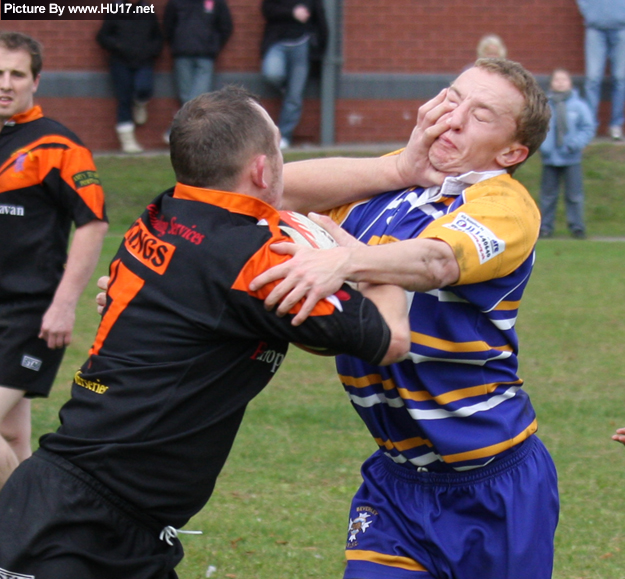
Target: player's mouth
<point>445,142</point>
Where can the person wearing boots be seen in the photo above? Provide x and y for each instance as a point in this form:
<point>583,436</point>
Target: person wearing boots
<point>133,45</point>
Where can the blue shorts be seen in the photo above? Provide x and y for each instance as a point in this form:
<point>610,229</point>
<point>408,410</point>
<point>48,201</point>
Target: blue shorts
<point>496,522</point>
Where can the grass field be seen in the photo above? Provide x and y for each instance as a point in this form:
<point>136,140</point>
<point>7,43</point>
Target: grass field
<point>280,507</point>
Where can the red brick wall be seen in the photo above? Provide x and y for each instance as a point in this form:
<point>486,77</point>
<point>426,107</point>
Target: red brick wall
<point>385,36</point>
<point>434,36</point>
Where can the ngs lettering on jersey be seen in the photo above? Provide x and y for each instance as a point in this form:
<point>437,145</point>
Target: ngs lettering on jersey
<point>148,249</point>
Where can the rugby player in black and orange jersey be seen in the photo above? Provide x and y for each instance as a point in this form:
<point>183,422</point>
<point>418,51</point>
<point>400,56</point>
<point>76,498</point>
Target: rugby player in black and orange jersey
<point>47,182</point>
<point>182,347</point>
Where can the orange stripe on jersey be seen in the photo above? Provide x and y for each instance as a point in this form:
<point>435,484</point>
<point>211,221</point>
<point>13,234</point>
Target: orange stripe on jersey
<point>493,449</point>
<point>382,559</point>
<point>447,346</point>
<point>30,166</point>
<point>263,260</point>
<point>121,295</point>
<point>235,202</point>
<point>148,249</point>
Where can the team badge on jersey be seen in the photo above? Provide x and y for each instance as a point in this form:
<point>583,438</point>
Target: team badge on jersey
<point>488,245</point>
<point>360,524</point>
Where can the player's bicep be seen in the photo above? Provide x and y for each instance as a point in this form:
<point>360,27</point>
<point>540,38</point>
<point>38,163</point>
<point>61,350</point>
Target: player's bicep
<point>490,237</point>
<point>345,322</point>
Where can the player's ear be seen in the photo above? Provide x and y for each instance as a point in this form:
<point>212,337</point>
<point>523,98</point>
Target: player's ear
<point>512,155</point>
<point>257,171</point>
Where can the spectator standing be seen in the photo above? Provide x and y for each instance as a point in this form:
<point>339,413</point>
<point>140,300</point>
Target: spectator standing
<point>133,45</point>
<point>605,40</point>
<point>197,31</point>
<point>571,128</point>
<point>47,180</point>
<point>295,34</point>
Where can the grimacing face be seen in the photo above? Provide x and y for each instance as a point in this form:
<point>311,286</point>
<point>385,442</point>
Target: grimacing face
<point>17,85</point>
<point>482,125</point>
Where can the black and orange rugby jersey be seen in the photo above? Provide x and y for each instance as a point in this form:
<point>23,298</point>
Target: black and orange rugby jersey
<point>184,345</point>
<point>47,181</point>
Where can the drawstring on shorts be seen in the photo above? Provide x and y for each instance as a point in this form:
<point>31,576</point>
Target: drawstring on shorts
<point>168,533</point>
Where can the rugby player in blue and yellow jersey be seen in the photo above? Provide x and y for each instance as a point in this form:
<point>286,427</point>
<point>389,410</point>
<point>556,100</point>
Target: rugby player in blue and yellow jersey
<point>182,347</point>
<point>461,487</point>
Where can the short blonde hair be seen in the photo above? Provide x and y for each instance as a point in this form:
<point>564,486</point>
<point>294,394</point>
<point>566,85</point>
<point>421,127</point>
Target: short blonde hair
<point>533,121</point>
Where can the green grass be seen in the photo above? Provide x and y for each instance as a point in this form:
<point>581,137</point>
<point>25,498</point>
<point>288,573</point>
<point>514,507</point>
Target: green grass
<point>280,506</point>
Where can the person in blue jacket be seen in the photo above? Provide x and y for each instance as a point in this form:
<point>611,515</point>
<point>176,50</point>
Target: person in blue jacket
<point>571,128</point>
<point>604,41</point>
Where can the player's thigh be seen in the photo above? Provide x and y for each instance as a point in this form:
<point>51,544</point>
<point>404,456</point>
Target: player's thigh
<point>15,428</point>
<point>11,405</point>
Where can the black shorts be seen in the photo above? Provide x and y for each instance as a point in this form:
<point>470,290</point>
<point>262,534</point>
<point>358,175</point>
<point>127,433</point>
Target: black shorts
<point>58,523</point>
<point>26,362</point>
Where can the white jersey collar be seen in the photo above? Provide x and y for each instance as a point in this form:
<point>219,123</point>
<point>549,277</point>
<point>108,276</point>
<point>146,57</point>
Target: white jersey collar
<point>454,186</point>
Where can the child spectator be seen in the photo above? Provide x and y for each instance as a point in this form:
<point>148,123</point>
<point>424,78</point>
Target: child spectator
<point>571,128</point>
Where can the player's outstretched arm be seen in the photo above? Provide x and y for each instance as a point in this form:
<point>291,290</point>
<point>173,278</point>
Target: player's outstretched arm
<point>619,436</point>
<point>414,265</point>
<point>321,184</point>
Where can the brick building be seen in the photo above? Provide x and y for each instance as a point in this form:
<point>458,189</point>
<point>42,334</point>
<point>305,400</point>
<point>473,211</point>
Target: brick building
<point>387,57</point>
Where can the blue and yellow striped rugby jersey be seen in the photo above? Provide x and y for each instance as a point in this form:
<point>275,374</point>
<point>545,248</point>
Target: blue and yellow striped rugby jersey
<point>457,402</point>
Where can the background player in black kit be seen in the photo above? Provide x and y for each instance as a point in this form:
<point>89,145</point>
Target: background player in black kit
<point>182,347</point>
<point>47,182</point>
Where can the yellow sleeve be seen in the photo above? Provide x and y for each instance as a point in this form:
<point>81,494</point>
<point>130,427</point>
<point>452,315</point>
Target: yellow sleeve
<point>493,232</point>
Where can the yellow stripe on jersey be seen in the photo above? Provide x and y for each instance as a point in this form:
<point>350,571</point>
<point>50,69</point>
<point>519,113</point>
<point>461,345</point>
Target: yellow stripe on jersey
<point>507,306</point>
<point>470,392</point>
<point>377,240</point>
<point>404,445</point>
<point>382,559</point>
<point>493,449</point>
<point>423,395</point>
<point>447,346</point>
<point>365,381</point>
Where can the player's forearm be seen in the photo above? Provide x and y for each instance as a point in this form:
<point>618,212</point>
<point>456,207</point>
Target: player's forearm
<point>415,264</point>
<point>81,262</point>
<point>321,184</point>
<point>392,305</point>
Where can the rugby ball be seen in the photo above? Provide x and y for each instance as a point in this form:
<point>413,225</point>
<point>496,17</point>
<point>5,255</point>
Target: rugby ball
<point>304,231</point>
